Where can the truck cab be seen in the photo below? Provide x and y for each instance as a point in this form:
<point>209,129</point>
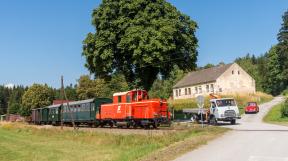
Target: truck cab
<point>223,109</point>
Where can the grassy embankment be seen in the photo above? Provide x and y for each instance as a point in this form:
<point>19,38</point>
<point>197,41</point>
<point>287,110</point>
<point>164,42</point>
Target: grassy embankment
<point>241,100</point>
<point>26,143</point>
<point>275,116</point>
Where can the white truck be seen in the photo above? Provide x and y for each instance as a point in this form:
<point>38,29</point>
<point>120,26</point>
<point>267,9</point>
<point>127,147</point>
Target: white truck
<point>221,109</point>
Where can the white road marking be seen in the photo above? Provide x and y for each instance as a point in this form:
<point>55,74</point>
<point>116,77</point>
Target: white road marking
<point>266,158</point>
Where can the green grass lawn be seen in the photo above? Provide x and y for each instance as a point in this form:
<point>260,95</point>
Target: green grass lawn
<point>274,116</point>
<point>25,143</point>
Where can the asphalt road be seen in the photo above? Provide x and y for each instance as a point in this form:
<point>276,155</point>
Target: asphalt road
<point>250,140</point>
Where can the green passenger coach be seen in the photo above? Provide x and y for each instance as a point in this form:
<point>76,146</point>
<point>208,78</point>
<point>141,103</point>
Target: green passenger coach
<point>83,112</point>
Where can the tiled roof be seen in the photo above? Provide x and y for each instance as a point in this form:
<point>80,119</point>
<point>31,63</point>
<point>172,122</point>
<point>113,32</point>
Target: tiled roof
<point>202,76</point>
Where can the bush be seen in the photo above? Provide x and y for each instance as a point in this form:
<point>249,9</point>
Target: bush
<point>284,109</point>
<point>285,92</point>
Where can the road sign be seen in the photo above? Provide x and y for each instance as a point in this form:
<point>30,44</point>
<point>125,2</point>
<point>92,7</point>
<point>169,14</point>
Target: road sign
<point>200,101</point>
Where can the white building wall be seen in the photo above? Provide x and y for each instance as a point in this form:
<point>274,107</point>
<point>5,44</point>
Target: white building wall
<point>235,80</point>
<point>201,89</point>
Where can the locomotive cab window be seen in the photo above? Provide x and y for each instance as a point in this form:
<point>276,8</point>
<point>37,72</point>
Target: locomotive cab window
<point>134,97</point>
<point>119,99</point>
<point>128,99</point>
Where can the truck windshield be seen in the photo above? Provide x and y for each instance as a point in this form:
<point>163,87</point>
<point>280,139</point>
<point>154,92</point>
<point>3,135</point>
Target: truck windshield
<point>227,102</point>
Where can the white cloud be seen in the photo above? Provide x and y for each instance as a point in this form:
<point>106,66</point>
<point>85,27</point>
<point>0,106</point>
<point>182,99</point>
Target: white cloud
<point>9,85</point>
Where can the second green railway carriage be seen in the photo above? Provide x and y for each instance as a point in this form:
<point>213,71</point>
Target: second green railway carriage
<point>83,112</point>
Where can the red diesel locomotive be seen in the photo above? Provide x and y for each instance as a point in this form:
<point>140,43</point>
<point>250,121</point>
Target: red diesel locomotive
<point>134,108</point>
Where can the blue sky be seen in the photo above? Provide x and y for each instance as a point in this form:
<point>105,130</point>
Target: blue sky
<point>42,40</point>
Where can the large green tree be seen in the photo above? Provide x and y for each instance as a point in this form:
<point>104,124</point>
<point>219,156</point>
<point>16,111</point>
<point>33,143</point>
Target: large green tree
<point>140,39</point>
<point>35,97</point>
<point>70,91</point>
<point>164,88</point>
<point>88,88</point>
<point>283,51</point>
<point>273,79</point>
<point>15,100</point>
<point>250,65</point>
<point>4,99</point>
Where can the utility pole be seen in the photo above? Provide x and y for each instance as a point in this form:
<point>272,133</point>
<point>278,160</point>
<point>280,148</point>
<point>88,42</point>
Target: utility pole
<point>62,97</point>
<point>64,94</point>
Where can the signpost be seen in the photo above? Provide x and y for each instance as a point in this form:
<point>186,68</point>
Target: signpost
<point>200,102</point>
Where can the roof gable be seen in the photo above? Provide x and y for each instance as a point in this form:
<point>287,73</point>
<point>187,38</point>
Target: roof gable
<point>202,76</point>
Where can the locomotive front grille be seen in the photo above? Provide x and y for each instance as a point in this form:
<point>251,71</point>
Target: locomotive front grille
<point>230,113</point>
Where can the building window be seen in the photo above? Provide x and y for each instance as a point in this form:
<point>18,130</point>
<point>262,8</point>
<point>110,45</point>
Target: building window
<point>185,91</point>
<point>220,89</point>
<point>207,88</point>
<point>238,72</point>
<point>176,92</point>
<point>212,88</point>
<point>189,91</point>
<point>200,89</point>
<point>179,92</point>
<point>196,90</point>
<point>232,71</point>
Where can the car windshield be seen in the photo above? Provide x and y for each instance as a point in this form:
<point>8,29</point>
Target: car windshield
<point>251,104</point>
<point>226,102</point>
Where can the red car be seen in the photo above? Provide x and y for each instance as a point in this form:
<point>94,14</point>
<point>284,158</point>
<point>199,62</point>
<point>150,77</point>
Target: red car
<point>251,107</point>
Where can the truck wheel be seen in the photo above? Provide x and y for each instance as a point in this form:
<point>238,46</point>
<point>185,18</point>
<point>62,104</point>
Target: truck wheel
<point>233,122</point>
<point>195,119</point>
<point>213,121</point>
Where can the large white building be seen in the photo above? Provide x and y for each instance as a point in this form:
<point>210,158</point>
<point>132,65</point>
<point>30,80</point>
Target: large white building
<point>222,79</point>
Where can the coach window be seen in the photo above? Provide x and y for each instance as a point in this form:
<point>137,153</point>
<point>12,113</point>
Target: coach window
<point>92,106</point>
<point>87,107</point>
<point>83,105</point>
